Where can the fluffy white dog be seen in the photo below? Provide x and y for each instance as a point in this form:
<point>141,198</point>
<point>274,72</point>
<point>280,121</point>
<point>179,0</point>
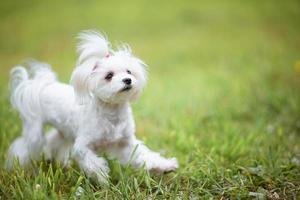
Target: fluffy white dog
<point>92,114</point>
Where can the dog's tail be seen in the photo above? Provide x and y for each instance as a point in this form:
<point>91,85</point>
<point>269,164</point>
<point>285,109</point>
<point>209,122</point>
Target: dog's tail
<point>26,85</point>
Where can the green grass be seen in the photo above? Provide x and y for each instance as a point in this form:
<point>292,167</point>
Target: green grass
<point>223,94</point>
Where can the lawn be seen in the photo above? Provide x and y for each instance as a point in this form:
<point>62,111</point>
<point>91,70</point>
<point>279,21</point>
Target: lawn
<point>223,95</point>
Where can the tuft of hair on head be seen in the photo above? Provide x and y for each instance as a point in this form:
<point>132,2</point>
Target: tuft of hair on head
<point>124,49</point>
<point>92,44</point>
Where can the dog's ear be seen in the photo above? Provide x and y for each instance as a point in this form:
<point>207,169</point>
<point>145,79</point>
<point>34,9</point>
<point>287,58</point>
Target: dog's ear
<point>91,44</point>
<point>80,81</point>
<point>137,66</point>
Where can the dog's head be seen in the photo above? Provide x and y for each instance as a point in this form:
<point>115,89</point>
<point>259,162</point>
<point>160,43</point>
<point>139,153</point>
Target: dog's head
<point>110,76</point>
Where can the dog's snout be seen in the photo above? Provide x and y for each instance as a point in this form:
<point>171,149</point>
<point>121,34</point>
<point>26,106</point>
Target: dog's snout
<point>127,81</point>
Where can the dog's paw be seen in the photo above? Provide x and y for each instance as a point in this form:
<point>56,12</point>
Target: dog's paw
<point>97,169</point>
<point>172,165</point>
<point>164,166</point>
<point>18,153</point>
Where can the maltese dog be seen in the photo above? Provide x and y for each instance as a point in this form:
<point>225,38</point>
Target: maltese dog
<point>91,115</point>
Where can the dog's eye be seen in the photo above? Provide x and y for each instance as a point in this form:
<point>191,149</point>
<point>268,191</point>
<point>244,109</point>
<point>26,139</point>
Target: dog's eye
<point>128,71</point>
<point>109,75</point>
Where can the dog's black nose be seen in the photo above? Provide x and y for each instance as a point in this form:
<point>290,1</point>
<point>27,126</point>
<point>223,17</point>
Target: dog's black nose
<point>127,81</point>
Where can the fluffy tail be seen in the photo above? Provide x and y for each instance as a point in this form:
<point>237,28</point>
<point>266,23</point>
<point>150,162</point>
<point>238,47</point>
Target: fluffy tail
<point>26,85</point>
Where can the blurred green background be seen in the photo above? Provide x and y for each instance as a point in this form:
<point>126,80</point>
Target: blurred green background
<point>223,93</point>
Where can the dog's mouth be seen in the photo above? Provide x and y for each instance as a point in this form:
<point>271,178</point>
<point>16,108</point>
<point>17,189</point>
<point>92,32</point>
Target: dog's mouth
<point>126,88</point>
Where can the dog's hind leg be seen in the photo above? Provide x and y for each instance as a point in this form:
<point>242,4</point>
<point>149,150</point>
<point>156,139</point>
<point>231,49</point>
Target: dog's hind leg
<point>57,147</point>
<point>28,146</point>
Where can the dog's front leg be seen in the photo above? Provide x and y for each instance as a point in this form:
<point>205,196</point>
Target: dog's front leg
<point>152,161</point>
<point>134,152</point>
<point>93,166</point>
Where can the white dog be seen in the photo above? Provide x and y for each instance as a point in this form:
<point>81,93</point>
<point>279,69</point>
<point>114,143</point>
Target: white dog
<point>92,114</point>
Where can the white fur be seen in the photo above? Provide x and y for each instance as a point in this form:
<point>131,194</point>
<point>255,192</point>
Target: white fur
<point>90,115</point>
